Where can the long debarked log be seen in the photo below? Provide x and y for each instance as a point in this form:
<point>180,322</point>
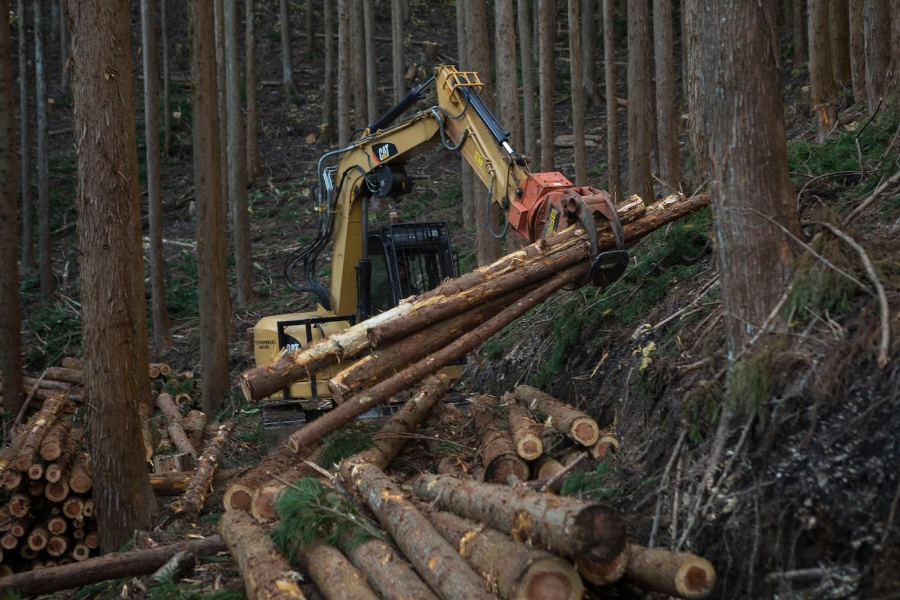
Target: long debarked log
<point>495,444</point>
<point>265,571</point>
<point>103,568</point>
<point>334,575</point>
<point>559,524</point>
<point>174,483</point>
<point>175,423</point>
<point>435,560</point>
<point>145,414</point>
<point>461,293</point>
<point>388,573</point>
<point>430,365</point>
<point>191,503</point>
<point>680,574</point>
<point>519,572</point>
<point>195,427</point>
<point>562,417</point>
<point>526,432</point>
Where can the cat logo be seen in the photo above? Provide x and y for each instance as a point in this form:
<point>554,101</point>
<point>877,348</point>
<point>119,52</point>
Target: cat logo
<point>383,151</point>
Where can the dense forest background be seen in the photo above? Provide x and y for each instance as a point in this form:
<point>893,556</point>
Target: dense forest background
<point>748,358</point>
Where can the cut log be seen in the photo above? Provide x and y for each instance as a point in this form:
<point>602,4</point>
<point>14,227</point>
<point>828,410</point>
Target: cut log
<point>435,560</point>
<point>21,526</point>
<point>80,552</point>
<point>408,377</point>
<point>9,453</point>
<point>45,394</point>
<point>56,491</point>
<point>515,570</point>
<point>8,541</point>
<point>11,478</point>
<point>36,486</point>
<point>73,507</point>
<point>546,467</point>
<point>451,424</point>
<point>80,480</point>
<point>604,446</point>
<point>144,411</point>
<point>57,525</point>
<point>92,540</point>
<point>265,571</point>
<point>183,399</point>
<point>35,472</point>
<point>374,367</point>
<point>40,427</point>
<point>19,505</point>
<point>239,494</point>
<point>334,575</point>
<point>63,374</point>
<point>28,553</point>
<point>174,423</point>
<point>88,510</point>
<point>604,573</point>
<point>54,441</point>
<point>195,427</point>
<point>70,362</point>
<point>389,574</point>
<point>57,545</point>
<point>176,482</point>
<point>560,416</point>
<point>188,507</point>
<point>496,445</point>
<point>390,439</point>
<point>45,384</point>
<point>154,371</point>
<point>55,470</point>
<point>559,524</point>
<point>526,432</point>
<point>680,574</point>
<point>38,538</point>
<point>171,463</point>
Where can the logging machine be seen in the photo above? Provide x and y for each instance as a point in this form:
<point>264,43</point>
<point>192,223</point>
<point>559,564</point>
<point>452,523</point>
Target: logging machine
<point>372,271</point>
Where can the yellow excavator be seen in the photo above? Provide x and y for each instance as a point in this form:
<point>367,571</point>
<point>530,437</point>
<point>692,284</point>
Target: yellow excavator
<point>373,271</point>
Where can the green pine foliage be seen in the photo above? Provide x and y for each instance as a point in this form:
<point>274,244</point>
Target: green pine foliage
<point>350,439</point>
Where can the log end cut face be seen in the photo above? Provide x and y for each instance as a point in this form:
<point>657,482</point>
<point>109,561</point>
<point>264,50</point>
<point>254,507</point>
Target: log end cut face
<point>696,578</point>
<point>599,533</point>
<point>240,499</point>
<point>550,578</point>
<point>501,469</point>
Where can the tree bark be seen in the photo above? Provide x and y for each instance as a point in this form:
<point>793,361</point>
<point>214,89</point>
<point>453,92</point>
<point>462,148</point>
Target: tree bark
<point>526,431</point>
<point>215,304</point>
<point>239,494</point>
<point>639,105</point>
<point>287,69</point>
<point>190,505</point>
<point>466,174</point>
<point>253,167</point>
<point>589,52</point>
<point>25,144</point>
<point>266,573</point>
<point>614,178</point>
<point>159,314</point>
<point>37,430</point>
<point>857,51</point>
<point>680,574</point>
<point>839,38</point>
<point>801,36</point>
<point>344,73</point>
<point>175,424</point>
<point>358,62</point>
<point>334,575</point>
<point>195,426</point>
<point>749,176</point>
<point>496,446</point>
<point>10,327</point>
<point>45,267</point>
<point>877,31</point>
<point>822,89</point>
<point>398,56</point>
<point>559,524</point>
<point>692,64</point>
<point>576,84</point>
<point>514,570</point>
<point>328,123</point>
<point>562,417</point>
<point>666,99</point>
<point>166,77</point>
<point>546,17</point>
<point>604,573</point>
<point>507,70</point>
<point>435,560</point>
<point>371,60</point>
<point>525,54</point>
<point>174,483</point>
<point>389,574</point>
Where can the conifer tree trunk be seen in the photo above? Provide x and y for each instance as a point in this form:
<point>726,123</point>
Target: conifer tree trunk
<point>371,55</point>
<point>166,79</point>
<point>749,176</point>
<point>159,314</point>
<point>614,177</point>
<point>822,91</point>
<point>696,127</point>
<point>666,100</point>
<point>839,37</point>
<point>309,47</point>
<point>466,174</point>
<point>639,106</point>
<point>11,324</point>
<point>589,52</point>
<point>398,59</point>
<point>507,71</point>
<point>801,40</point>
<point>287,68</point>
<point>343,68</point>
<point>211,252</point>
<point>45,259</point>
<point>222,100</point>
<point>876,27</point>
<point>237,158</point>
<point>526,54</point>
<point>328,124</point>
<point>63,47</point>
<point>253,167</point>
<point>577,86</point>
<point>113,315</point>
<point>857,51</point>
<point>546,15</point>
<point>25,142</point>
<point>358,64</point>
<point>894,11</point>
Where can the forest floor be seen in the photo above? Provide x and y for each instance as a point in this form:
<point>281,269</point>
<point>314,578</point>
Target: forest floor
<point>795,499</point>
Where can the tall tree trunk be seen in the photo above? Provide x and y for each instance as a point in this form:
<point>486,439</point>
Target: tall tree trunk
<point>801,41</point>
<point>45,266</point>
<point>211,252</point>
<point>222,99</point>
<point>398,58</point>
<point>589,51</point>
<point>25,132</point>
<point>666,100</point>
<point>328,125</point>
<point>63,48</point>
<point>113,315</point>
<point>692,61</point>
<point>488,218</point>
<point>822,91</point>
<point>237,158</point>
<point>839,36</point>
<point>466,174</point>
<point>358,65</point>
<point>748,163</point>
<point>166,78</point>
<point>253,167</point>
<point>159,314</point>
<point>371,54</point>
<point>546,15</point>
<point>310,45</point>
<point>614,177</point>
<point>11,325</point>
<point>525,53</point>
<point>639,106</point>
<point>287,69</point>
<point>895,49</point>
<point>876,27</point>
<point>577,86</point>
<point>507,71</point>
<point>857,51</point>
<point>343,73</point>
